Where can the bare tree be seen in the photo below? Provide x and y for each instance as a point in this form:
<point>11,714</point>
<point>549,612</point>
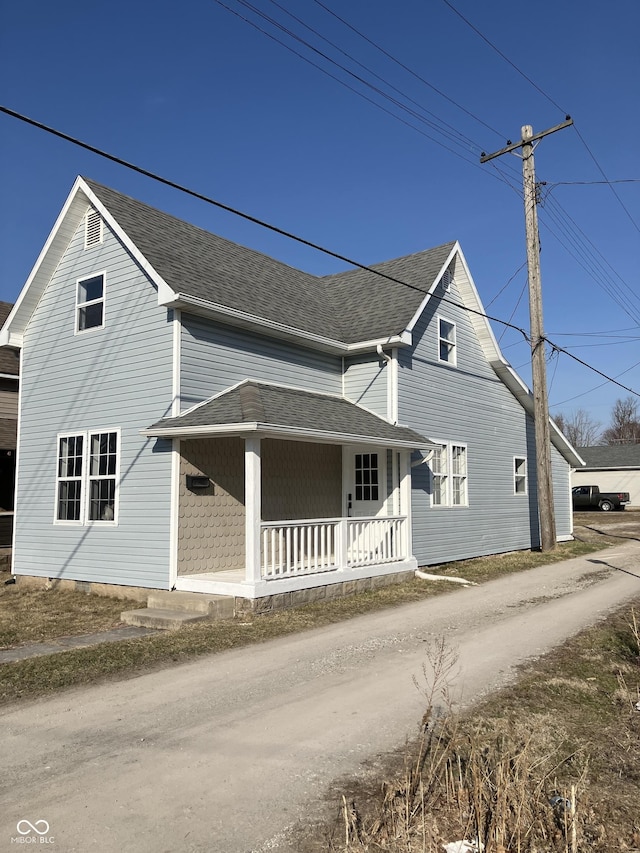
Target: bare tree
<point>625,423</point>
<point>579,428</point>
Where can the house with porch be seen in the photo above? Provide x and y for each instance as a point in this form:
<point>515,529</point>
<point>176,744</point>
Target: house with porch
<point>197,416</point>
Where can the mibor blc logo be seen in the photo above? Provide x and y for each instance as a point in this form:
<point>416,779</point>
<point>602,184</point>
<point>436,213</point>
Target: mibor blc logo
<point>32,833</point>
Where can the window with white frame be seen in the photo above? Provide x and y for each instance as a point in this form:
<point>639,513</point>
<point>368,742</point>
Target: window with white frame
<point>439,475</point>
<point>87,477</point>
<point>90,303</point>
<point>519,475</point>
<point>446,341</point>
<point>449,475</point>
<point>366,470</point>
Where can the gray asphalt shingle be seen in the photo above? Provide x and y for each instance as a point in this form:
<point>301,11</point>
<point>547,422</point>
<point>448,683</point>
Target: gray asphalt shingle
<point>292,409</point>
<point>352,306</point>
<point>611,456</point>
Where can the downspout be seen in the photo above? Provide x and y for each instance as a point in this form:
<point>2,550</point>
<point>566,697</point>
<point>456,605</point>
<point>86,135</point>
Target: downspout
<point>383,354</point>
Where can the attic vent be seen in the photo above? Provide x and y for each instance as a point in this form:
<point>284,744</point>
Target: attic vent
<point>93,229</point>
<point>447,278</point>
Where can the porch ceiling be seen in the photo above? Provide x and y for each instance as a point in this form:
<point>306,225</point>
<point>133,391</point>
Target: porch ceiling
<point>279,412</point>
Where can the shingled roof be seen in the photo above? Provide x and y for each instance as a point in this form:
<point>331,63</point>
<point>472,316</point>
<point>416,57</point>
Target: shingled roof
<point>611,456</point>
<point>349,307</point>
<point>278,410</point>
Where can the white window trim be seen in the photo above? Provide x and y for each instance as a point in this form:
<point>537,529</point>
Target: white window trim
<point>454,344</point>
<point>103,299</point>
<point>524,476</point>
<point>449,476</point>
<point>86,477</point>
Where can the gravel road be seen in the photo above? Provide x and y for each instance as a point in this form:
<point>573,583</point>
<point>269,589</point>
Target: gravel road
<point>222,755</point>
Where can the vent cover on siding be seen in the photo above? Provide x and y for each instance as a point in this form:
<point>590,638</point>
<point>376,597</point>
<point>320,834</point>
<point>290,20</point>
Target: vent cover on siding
<point>447,279</point>
<point>93,229</point>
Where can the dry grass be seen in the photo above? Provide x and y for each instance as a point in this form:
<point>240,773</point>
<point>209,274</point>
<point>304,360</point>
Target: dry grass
<point>37,615</point>
<point>549,764</point>
<point>29,615</point>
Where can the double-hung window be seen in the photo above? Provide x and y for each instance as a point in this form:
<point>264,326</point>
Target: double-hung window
<point>449,475</point>
<point>446,341</point>
<point>519,475</point>
<point>90,303</point>
<point>87,477</point>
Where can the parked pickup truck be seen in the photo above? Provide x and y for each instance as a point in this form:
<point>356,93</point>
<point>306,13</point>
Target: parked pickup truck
<point>590,497</point>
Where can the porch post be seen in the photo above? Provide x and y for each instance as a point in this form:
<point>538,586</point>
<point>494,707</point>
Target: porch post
<point>405,499</point>
<point>253,508</point>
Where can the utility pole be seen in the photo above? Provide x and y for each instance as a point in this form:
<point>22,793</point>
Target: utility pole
<point>546,513</point>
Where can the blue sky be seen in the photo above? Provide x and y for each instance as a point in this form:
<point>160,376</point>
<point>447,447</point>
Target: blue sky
<point>193,93</point>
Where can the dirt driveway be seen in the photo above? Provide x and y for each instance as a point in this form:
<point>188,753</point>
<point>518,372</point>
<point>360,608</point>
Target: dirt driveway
<point>591,526</point>
<point>222,755</point>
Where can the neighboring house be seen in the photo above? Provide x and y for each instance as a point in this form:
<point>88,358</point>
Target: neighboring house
<point>614,468</point>
<point>9,368</point>
<point>196,415</point>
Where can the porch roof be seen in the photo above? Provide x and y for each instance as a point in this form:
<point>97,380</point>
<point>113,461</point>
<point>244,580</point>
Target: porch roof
<point>291,413</point>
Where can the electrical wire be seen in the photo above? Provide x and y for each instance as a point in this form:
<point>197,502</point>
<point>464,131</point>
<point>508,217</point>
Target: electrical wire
<point>274,228</point>
<point>610,184</point>
<point>407,69</point>
<point>595,388</point>
<point>140,170</point>
<point>351,88</point>
<point>506,58</point>
<point>459,139</point>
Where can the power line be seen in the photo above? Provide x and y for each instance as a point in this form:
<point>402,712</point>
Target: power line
<point>467,140</point>
<point>595,369</point>
<point>407,69</point>
<point>596,387</point>
<point>591,183</point>
<point>463,141</point>
<point>140,170</point>
<point>550,99</point>
<point>601,170</point>
<point>506,58</point>
<point>248,217</point>
<point>351,88</point>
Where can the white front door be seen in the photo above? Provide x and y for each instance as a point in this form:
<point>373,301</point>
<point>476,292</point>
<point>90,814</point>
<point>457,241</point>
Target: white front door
<point>367,489</point>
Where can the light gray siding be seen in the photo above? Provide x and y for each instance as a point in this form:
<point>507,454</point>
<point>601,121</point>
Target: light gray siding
<point>365,382</point>
<point>117,377</point>
<point>468,404</point>
<point>214,357</point>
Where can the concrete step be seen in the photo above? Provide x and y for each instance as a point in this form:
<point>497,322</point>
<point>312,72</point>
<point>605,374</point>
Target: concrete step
<point>165,620</point>
<point>215,606</point>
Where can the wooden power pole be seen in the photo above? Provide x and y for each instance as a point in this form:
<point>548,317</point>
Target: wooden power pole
<point>546,513</point>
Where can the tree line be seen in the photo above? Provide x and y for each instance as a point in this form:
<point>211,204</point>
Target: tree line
<point>582,430</point>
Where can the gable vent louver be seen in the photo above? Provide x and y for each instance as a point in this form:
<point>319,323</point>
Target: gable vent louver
<point>447,278</point>
<point>93,229</point>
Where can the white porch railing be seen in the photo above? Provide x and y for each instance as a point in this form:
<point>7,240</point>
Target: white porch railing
<point>291,548</point>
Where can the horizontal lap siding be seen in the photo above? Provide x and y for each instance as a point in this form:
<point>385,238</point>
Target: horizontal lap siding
<point>365,383</point>
<point>119,377</point>
<point>469,405</point>
<point>214,357</point>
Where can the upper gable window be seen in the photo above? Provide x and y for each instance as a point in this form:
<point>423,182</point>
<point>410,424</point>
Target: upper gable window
<point>446,341</point>
<point>92,229</point>
<point>90,303</point>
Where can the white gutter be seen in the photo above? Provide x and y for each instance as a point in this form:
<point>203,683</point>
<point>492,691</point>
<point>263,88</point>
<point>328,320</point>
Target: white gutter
<point>275,430</point>
<point>244,319</point>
